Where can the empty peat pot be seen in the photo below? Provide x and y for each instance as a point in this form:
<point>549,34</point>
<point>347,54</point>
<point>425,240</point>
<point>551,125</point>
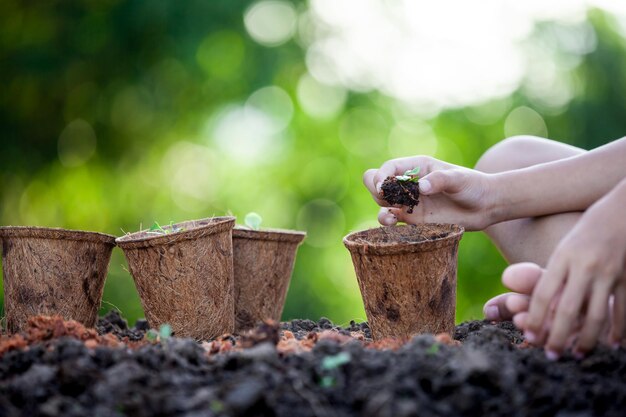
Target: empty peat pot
<point>407,277</point>
<point>185,278</point>
<point>53,271</point>
<point>263,264</point>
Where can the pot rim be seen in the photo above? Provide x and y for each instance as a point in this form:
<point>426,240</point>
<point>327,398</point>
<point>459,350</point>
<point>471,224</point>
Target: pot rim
<point>364,246</point>
<point>276,235</point>
<point>54,233</point>
<point>199,228</point>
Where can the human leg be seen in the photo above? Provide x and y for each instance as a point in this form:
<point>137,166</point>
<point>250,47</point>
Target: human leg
<point>524,240</point>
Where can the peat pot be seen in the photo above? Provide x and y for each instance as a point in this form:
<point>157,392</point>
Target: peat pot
<point>263,264</point>
<point>185,277</point>
<point>407,277</point>
<point>53,271</point>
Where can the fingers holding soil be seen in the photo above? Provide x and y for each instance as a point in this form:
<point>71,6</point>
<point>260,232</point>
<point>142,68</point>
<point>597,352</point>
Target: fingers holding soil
<point>398,191</point>
<point>370,184</point>
<point>390,216</point>
<point>387,217</point>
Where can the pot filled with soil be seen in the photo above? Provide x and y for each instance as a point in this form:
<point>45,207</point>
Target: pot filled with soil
<point>184,275</point>
<point>53,271</point>
<point>263,264</point>
<point>407,277</point>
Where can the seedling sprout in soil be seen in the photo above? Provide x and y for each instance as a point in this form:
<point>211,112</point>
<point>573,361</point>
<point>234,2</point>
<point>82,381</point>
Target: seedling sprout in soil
<point>164,333</point>
<point>253,221</point>
<point>156,229</point>
<point>402,189</point>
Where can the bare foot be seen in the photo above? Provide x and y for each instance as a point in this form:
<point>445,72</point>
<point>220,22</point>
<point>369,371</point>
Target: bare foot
<point>520,278</point>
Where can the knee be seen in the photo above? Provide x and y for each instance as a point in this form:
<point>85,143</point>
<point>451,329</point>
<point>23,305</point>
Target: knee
<point>517,152</point>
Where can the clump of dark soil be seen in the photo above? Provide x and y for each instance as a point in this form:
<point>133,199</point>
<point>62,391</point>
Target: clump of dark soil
<point>489,370</point>
<point>116,325</point>
<point>404,193</point>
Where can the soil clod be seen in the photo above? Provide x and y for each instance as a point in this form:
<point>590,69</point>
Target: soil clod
<point>404,193</point>
<point>487,369</point>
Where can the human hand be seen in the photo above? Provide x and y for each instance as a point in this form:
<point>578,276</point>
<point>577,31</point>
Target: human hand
<point>585,270</point>
<point>448,193</point>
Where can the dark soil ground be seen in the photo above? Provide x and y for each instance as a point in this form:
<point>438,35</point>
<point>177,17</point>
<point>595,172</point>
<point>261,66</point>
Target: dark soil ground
<point>302,368</point>
<point>404,193</point>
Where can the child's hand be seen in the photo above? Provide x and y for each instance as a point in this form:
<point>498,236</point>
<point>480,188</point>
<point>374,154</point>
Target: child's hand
<point>448,193</point>
<point>586,268</point>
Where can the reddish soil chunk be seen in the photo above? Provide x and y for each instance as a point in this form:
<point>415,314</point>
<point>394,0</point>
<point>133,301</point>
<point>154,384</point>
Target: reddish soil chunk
<point>485,370</point>
<point>42,329</point>
<point>404,193</point>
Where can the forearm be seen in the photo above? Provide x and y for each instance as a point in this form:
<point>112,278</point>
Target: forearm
<point>566,185</point>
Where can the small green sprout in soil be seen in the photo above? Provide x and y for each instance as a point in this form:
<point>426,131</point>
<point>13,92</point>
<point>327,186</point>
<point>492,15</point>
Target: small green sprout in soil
<point>433,349</point>
<point>327,381</point>
<point>253,221</point>
<point>402,189</point>
<point>216,406</point>
<point>164,333</point>
<point>156,229</point>
<point>335,361</point>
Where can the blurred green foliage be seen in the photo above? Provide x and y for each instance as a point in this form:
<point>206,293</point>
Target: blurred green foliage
<point>145,81</point>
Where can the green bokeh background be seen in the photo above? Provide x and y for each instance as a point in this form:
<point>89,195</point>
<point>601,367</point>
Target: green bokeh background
<point>150,76</point>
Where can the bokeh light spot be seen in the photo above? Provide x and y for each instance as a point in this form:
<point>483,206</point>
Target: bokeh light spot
<point>324,222</point>
<point>489,112</point>
<point>77,143</point>
<point>363,132</point>
<point>188,168</point>
<point>271,23</point>
<point>525,121</point>
<point>324,176</point>
<point>274,102</point>
<point>247,134</point>
<point>221,55</point>
<point>319,100</point>
<point>132,109</point>
<point>412,137</point>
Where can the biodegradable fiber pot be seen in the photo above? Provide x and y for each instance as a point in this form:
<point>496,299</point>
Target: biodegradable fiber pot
<point>53,271</point>
<point>185,278</point>
<point>407,277</point>
<point>263,263</point>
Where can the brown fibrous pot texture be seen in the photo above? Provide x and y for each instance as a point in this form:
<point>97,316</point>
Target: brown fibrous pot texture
<point>407,277</point>
<point>263,265</point>
<point>53,271</point>
<point>185,278</point>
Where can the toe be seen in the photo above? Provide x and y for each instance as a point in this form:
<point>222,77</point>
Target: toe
<point>522,278</point>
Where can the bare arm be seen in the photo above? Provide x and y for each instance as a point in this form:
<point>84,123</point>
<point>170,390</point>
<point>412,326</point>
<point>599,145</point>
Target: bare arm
<point>571,184</point>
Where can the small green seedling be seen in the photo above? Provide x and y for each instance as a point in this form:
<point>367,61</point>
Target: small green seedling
<point>335,361</point>
<point>152,335</point>
<point>327,382</point>
<point>164,333</point>
<point>410,175</point>
<point>253,221</point>
<point>216,406</point>
<point>433,349</point>
<point>158,230</point>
